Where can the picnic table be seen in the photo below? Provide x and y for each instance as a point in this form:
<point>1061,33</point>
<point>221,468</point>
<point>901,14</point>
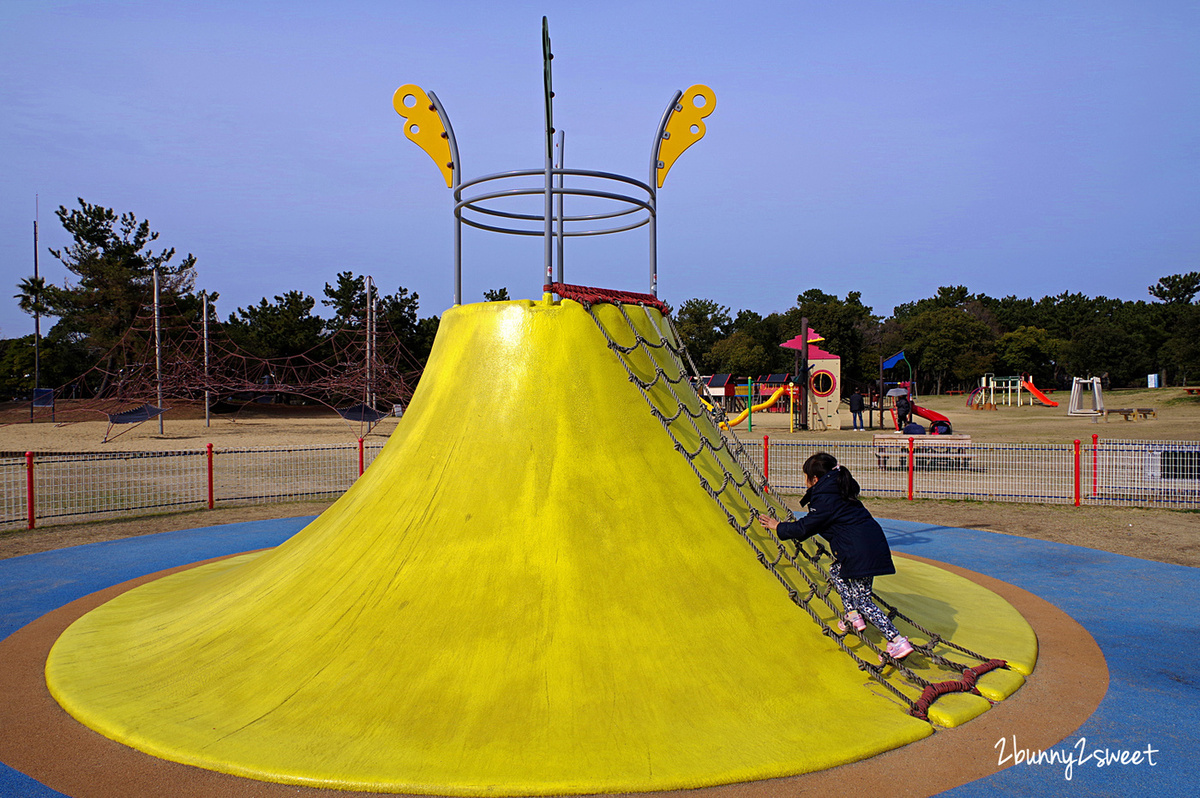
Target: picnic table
<point>1132,413</point>
<point>929,451</point>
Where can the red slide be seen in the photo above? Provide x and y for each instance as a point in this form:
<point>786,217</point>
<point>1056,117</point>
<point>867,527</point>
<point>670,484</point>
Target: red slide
<point>1041,397</point>
<point>929,414</point>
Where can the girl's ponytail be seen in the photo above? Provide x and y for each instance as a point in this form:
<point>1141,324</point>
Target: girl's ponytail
<point>847,484</point>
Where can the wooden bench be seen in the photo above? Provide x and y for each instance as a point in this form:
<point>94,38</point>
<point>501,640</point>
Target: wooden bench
<point>1192,391</point>
<point>929,451</point>
<point>1132,413</point>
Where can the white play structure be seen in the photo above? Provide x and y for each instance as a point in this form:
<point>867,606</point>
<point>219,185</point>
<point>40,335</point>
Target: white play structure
<point>1090,385</point>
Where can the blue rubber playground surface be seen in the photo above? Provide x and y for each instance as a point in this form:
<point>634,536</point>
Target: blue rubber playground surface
<point>1141,614</point>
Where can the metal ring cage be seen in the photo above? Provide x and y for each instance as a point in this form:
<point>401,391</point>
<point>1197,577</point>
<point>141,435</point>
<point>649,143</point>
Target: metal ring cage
<point>488,204</point>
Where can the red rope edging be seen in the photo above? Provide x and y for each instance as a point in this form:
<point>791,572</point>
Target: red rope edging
<point>964,685</point>
<point>584,294</point>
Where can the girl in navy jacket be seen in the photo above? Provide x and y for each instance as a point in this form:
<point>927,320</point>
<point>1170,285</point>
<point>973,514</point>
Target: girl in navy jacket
<point>860,550</point>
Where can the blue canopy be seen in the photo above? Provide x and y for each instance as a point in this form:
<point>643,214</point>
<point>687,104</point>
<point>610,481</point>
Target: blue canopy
<point>361,413</point>
<point>137,415</point>
<point>893,360</point>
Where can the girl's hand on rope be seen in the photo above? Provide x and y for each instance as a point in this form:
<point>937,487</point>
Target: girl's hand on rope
<point>767,521</point>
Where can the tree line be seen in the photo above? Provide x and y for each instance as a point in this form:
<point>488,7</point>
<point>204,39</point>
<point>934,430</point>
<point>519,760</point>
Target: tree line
<point>112,260</point>
<point>952,338</point>
<point>955,337</point>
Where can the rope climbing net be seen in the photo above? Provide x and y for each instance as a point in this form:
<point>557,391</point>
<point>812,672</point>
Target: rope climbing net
<point>361,361</point>
<point>658,364</point>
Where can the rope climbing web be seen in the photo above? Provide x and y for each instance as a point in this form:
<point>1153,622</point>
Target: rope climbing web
<point>639,331</point>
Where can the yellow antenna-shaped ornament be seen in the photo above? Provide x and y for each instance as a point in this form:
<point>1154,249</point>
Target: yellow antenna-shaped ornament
<point>423,126</point>
<point>685,126</point>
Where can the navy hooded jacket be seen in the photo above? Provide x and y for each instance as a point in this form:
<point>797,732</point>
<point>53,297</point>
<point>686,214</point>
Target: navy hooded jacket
<point>854,535</point>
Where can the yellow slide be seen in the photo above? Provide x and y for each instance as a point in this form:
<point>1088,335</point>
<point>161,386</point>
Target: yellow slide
<point>740,417</point>
<point>529,592</point>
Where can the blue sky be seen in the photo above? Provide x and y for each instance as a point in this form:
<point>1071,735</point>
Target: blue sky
<point>1023,148</point>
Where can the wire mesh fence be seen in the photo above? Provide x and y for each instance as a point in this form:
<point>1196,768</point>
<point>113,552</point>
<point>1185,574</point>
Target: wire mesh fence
<point>68,488</point>
<point>263,476</point>
<point>12,492</point>
<point>1145,473</point>
<point>85,487</point>
<point>1098,472</point>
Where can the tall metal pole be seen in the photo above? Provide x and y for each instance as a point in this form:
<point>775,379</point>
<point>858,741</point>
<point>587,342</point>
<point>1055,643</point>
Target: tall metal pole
<point>158,350</point>
<point>803,381</point>
<point>455,179</point>
<point>204,327</point>
<point>37,316</point>
<point>879,399</point>
<point>370,393</point>
<point>562,230</point>
<point>548,231</point>
<point>654,246</point>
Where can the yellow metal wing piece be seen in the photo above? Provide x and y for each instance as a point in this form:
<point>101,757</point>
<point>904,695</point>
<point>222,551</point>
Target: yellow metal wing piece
<point>423,126</point>
<point>685,127</point>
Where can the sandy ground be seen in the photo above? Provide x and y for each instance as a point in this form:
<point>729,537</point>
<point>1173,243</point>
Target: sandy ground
<point>254,427</point>
<point>1161,535</point>
<point>261,426</point>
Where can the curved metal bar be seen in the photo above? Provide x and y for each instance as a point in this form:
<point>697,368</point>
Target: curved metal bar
<point>634,226</point>
<point>470,203</point>
<point>576,192</point>
<point>441,112</point>
<point>494,229</point>
<point>541,173</point>
<point>531,217</point>
<point>587,192</point>
<point>568,234</point>
<point>658,138</point>
<point>611,176</point>
<point>593,216</point>
<point>455,181</point>
<point>498,176</point>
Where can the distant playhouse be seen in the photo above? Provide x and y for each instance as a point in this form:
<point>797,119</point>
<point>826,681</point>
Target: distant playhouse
<point>824,383</point>
<point>824,387</point>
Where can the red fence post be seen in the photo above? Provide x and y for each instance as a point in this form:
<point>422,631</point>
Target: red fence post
<point>360,457</point>
<point>910,469</point>
<point>1077,473</point>
<point>29,503</point>
<point>766,463</point>
<point>1095,465</point>
<point>210,476</point>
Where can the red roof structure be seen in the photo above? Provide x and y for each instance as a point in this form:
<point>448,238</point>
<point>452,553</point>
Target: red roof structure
<point>814,352</point>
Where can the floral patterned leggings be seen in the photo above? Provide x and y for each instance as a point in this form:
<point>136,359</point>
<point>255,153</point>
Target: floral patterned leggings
<point>856,595</point>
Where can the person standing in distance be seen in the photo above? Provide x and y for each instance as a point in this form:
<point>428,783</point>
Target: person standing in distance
<point>856,409</point>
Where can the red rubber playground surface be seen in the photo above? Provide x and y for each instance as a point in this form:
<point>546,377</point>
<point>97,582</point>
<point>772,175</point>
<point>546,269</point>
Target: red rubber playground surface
<point>1113,717</point>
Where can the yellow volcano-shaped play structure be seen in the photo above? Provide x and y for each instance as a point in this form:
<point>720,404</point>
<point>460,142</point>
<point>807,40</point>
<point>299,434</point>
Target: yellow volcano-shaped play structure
<point>531,591</point>
<point>551,580</point>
